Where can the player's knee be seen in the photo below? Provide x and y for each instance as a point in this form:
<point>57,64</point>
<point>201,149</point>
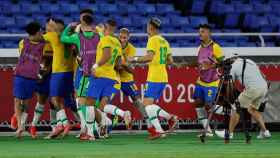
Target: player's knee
<point>104,101</point>
<point>198,103</point>
<point>148,101</point>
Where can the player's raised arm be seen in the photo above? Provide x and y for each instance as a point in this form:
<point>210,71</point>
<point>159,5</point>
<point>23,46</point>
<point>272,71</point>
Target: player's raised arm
<point>67,36</point>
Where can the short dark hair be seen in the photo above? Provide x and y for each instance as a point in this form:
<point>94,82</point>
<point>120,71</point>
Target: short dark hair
<point>88,19</point>
<point>155,22</point>
<point>112,22</point>
<point>59,21</point>
<point>205,26</point>
<point>32,28</point>
<point>89,11</point>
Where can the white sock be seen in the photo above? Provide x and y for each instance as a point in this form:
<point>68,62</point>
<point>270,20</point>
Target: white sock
<point>202,117</point>
<point>108,121</point>
<point>23,119</point>
<point>53,118</point>
<point>112,109</point>
<point>90,117</point>
<point>82,108</point>
<point>153,117</point>
<point>62,117</point>
<point>39,109</point>
<point>161,112</point>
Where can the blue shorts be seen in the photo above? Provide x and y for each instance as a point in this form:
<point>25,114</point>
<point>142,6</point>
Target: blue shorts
<point>100,87</point>
<point>154,90</point>
<point>78,76</point>
<point>43,87</point>
<point>61,84</point>
<point>23,87</point>
<point>69,102</point>
<point>115,91</point>
<point>205,94</point>
<point>129,89</point>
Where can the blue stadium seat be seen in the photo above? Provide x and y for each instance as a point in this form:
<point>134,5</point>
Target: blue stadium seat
<point>274,20</point>
<point>198,7</point>
<point>195,21</point>
<point>131,9</point>
<point>145,8</point>
<point>243,8</point>
<point>22,21</point>
<point>249,20</point>
<point>275,8</point>
<point>30,8</point>
<point>69,8</point>
<point>221,8</point>
<point>108,8</point>
<point>139,21</point>
<point>231,20</point>
<point>178,21</point>
<point>90,6</point>
<point>11,9</point>
<point>164,9</point>
<point>262,8</point>
<point>126,22</point>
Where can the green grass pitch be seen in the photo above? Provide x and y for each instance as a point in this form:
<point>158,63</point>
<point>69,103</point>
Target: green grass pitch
<point>181,145</point>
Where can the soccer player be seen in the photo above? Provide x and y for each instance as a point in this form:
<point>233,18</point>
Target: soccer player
<point>26,72</point>
<point>104,78</point>
<point>61,84</point>
<point>128,86</point>
<point>208,81</point>
<point>86,41</point>
<point>42,88</point>
<point>158,55</point>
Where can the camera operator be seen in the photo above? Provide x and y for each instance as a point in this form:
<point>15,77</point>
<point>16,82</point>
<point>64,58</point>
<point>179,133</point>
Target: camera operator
<point>249,75</point>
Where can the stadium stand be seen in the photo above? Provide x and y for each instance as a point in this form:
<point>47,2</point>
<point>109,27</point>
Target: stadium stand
<point>177,16</point>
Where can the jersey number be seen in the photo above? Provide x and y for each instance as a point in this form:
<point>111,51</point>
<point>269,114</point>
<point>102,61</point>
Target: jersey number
<point>114,56</point>
<point>163,53</point>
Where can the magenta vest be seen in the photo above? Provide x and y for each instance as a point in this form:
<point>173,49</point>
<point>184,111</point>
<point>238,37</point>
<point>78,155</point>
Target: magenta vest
<point>88,48</point>
<point>204,54</point>
<point>30,58</point>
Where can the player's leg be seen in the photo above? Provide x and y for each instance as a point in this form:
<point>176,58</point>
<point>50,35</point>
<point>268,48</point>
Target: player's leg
<point>61,85</point>
<point>105,105</point>
<point>152,93</point>
<point>39,109</point>
<point>130,89</point>
<point>79,83</point>
<point>23,91</point>
<point>199,97</point>
<point>53,112</point>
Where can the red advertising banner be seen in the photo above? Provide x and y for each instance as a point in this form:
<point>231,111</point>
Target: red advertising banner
<point>176,99</point>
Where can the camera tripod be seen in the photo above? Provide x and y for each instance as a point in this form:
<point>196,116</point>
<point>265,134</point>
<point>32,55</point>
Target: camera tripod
<point>227,86</point>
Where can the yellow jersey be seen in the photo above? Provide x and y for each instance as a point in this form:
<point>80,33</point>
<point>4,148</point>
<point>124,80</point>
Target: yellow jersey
<point>108,69</point>
<point>217,53</point>
<point>128,51</point>
<point>62,59</point>
<point>157,67</point>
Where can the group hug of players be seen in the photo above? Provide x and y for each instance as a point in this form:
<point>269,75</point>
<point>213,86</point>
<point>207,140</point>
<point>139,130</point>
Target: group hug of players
<point>82,66</point>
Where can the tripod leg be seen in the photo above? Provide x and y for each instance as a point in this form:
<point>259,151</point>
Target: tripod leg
<point>203,135</point>
<point>227,111</point>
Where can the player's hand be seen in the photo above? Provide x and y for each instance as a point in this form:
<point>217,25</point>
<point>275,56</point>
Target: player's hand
<point>132,59</point>
<point>73,24</point>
